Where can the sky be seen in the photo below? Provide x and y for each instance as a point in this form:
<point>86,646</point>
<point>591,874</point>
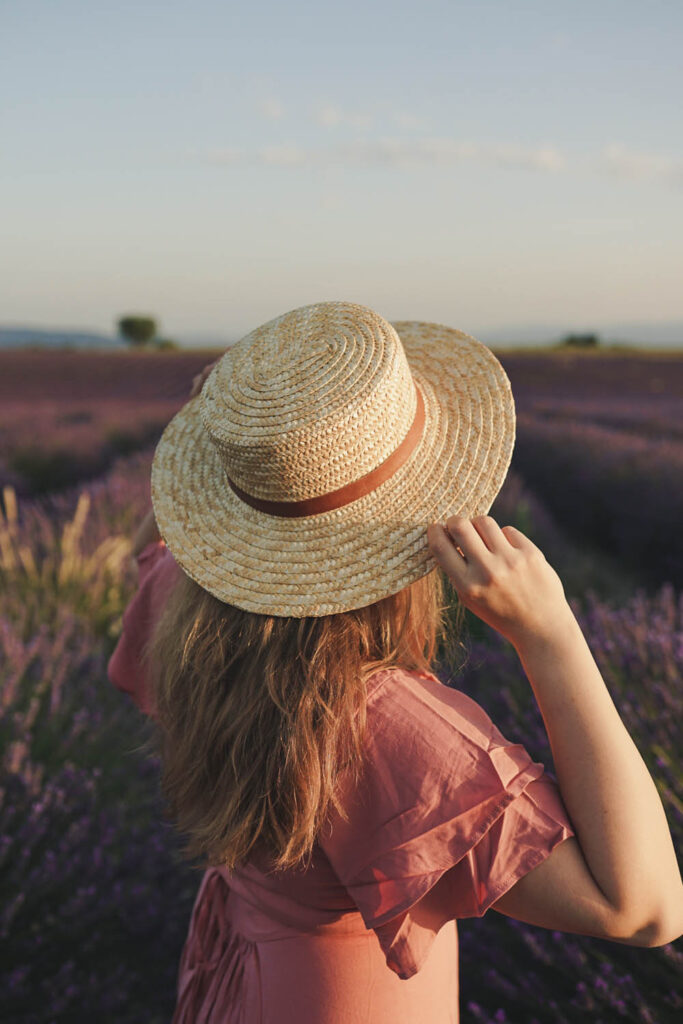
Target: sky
<point>487,165</point>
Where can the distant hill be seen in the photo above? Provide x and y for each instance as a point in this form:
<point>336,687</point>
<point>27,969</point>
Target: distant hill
<point>667,334</point>
<point>27,337</point>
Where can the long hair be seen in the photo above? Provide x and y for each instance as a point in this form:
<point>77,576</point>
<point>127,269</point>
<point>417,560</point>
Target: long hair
<point>257,715</point>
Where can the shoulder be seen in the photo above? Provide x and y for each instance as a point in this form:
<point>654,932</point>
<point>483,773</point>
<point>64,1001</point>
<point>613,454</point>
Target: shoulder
<point>420,709</point>
<point>153,560</point>
<point>152,552</point>
<point>157,572</point>
<point>437,774</point>
<point>430,738</point>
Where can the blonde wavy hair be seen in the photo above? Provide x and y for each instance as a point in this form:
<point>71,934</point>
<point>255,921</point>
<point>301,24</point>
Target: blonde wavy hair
<point>257,715</point>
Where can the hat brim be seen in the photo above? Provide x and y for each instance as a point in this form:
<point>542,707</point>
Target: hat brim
<point>369,549</point>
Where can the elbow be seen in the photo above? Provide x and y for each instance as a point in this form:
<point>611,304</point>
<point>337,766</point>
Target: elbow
<point>648,937</point>
<point>656,935</point>
<point>665,933</point>
<point>661,929</point>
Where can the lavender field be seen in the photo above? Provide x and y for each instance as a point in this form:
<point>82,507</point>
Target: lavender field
<point>95,900</point>
<point>65,416</point>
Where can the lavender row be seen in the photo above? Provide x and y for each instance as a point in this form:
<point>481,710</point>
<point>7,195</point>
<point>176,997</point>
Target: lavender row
<point>651,416</point>
<point>47,445</point>
<point>66,416</point>
<point>89,869</point>
<point>622,493</point>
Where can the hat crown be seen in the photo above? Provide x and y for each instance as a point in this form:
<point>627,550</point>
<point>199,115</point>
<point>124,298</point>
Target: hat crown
<point>309,402</point>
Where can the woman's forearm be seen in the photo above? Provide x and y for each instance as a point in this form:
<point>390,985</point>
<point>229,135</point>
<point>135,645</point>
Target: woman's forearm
<point>611,798</point>
<point>147,532</point>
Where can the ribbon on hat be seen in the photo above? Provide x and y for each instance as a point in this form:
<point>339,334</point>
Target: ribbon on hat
<point>350,492</point>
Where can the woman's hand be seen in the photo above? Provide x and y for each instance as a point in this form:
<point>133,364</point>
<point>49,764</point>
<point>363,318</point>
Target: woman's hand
<point>198,379</point>
<point>501,576</point>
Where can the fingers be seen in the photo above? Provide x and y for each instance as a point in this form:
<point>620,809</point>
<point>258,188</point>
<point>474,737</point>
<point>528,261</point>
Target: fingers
<point>489,531</point>
<point>444,551</point>
<point>459,548</point>
<point>206,371</point>
<point>475,540</point>
<point>516,537</point>
<point>471,541</point>
<point>199,378</point>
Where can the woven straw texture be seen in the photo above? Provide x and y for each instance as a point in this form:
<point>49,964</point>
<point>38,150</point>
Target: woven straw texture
<point>308,403</point>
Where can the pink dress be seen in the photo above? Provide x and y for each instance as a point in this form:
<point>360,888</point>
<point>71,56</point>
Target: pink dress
<point>449,816</point>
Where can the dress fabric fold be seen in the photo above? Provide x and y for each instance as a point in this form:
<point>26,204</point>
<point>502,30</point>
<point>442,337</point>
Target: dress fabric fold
<point>448,815</point>
<point>218,971</point>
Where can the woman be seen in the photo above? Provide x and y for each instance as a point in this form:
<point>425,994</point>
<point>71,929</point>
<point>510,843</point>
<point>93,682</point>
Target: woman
<point>348,808</point>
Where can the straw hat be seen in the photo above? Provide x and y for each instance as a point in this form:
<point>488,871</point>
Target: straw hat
<point>302,478</point>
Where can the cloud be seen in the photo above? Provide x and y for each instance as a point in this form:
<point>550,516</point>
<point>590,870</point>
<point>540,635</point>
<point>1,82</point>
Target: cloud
<point>329,116</point>
<point>271,107</point>
<point>541,158</point>
<point>332,200</point>
<point>282,155</point>
<point>285,154</point>
<point>227,155</point>
<point>614,160</point>
<point>447,151</point>
<point>396,152</point>
<point>407,121</point>
<point>621,162</point>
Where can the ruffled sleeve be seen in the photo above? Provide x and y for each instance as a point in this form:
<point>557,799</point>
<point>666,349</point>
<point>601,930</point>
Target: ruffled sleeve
<point>125,668</point>
<point>448,816</point>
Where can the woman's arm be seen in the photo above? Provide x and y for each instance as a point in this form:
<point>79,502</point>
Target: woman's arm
<point>609,794</point>
<point>607,789</point>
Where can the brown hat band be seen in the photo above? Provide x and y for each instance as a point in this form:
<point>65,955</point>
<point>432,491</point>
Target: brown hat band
<point>350,492</point>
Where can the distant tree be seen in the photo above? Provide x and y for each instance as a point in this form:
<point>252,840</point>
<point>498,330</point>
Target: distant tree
<point>581,340</point>
<point>137,330</point>
<point>165,343</point>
